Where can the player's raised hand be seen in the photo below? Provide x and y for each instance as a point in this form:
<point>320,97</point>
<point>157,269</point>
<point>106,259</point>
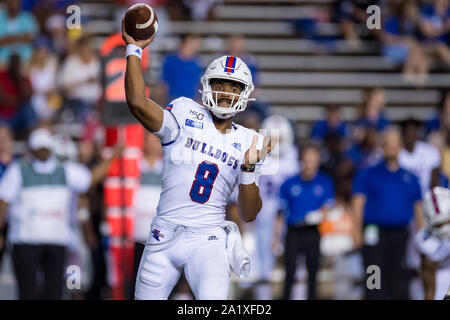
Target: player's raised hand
<point>130,40</point>
<point>252,156</point>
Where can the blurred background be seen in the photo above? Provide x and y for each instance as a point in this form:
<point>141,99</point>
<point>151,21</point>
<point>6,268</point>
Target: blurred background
<point>336,84</point>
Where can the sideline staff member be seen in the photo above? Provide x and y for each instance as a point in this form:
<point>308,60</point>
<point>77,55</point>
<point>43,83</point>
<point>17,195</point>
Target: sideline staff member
<point>305,198</point>
<point>40,191</point>
<point>385,199</point>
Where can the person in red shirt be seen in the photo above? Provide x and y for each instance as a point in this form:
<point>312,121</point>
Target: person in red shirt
<point>15,92</point>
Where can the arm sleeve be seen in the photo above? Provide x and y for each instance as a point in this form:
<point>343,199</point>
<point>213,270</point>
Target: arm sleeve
<point>11,183</point>
<point>170,129</point>
<point>78,177</point>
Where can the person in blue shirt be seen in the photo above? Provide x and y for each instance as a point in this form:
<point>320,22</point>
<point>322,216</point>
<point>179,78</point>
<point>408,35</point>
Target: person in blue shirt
<point>385,200</point>
<point>181,71</point>
<point>366,153</point>
<point>371,112</point>
<point>434,29</point>
<point>400,44</point>
<point>305,199</point>
<point>17,30</point>
<point>332,124</point>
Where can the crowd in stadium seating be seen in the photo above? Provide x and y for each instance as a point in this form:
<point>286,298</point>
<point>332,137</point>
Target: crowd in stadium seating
<point>50,75</point>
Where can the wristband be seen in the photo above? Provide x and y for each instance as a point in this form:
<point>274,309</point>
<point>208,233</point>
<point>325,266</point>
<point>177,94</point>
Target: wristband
<point>247,178</point>
<point>134,50</point>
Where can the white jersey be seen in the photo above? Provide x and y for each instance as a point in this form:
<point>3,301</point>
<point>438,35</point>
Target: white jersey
<point>201,164</point>
<point>424,158</point>
<point>436,250</point>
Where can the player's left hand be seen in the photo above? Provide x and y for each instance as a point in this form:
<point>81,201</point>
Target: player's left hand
<point>253,155</point>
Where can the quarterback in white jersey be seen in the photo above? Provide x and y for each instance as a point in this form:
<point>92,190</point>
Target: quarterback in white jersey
<point>433,242</point>
<point>205,157</point>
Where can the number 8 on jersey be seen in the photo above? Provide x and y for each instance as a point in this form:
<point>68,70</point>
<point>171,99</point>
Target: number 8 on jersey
<point>204,181</point>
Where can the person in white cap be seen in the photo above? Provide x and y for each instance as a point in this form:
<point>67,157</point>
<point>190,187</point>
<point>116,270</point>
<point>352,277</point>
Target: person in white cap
<point>38,191</point>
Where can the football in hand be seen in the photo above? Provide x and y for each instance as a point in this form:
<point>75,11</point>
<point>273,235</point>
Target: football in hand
<point>141,21</point>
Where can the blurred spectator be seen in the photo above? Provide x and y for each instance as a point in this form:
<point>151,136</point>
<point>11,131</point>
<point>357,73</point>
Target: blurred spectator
<point>6,157</point>
<point>6,148</point>
<point>332,124</point>
<point>305,200</point>
<point>31,5</point>
<point>421,159</point>
<point>147,197</point>
<point>400,43</point>
<point>282,163</point>
<point>418,157</point>
<point>201,9</point>
<point>39,225</point>
<point>15,93</point>
<point>181,71</point>
<point>17,30</point>
<point>55,26</point>
<point>385,199</point>
<point>351,14</point>
<point>91,157</point>
<point>367,153</point>
<point>43,68</point>
<point>372,113</point>
<point>80,78</point>
<point>435,28</point>
<point>335,162</point>
<point>436,126</point>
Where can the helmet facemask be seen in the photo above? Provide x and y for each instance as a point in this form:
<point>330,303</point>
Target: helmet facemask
<point>238,101</point>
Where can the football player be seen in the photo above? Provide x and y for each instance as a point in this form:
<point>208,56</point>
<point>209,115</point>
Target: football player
<point>205,156</point>
<point>433,243</point>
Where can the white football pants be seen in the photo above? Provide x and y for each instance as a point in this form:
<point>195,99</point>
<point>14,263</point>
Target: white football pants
<point>200,252</point>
